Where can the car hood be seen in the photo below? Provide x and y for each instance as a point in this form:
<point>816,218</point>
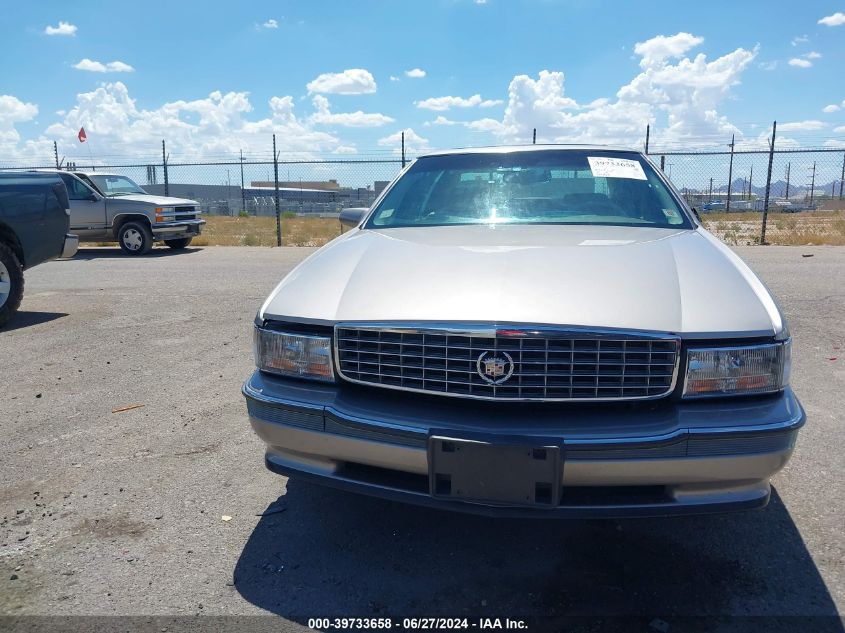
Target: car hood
<point>158,201</point>
<point>667,280</point>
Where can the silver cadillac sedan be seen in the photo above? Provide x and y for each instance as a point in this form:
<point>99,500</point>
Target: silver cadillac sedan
<point>527,331</point>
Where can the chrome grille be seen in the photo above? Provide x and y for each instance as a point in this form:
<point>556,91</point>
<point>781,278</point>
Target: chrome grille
<point>546,363</point>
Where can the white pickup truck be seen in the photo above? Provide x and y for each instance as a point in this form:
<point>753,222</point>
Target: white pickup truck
<point>109,207</point>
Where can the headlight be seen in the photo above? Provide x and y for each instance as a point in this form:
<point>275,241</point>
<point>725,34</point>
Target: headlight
<point>294,355</point>
<point>735,371</point>
<point>164,214</point>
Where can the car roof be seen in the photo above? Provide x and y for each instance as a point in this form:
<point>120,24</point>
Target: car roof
<point>506,149</point>
<point>84,172</point>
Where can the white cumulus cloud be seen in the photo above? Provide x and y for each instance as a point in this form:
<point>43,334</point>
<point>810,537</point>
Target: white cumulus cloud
<point>64,28</point>
<point>441,104</point>
<point>12,111</point>
<point>352,81</point>
<point>663,47</point>
<point>415,73</point>
<point>802,126</point>
<point>800,62</point>
<point>414,143</point>
<point>217,124</point>
<point>830,108</point>
<point>682,97</point>
<point>271,24</point>
<point>99,67</point>
<point>837,19</point>
<point>323,115</point>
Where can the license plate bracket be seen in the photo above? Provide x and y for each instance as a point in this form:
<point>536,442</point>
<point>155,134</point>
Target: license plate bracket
<point>492,472</point>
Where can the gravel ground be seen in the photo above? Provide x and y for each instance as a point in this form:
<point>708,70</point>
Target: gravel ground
<point>108,512</point>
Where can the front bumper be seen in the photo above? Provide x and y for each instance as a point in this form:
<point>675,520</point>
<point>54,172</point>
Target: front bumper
<point>177,229</point>
<point>70,246</point>
<point>625,459</point>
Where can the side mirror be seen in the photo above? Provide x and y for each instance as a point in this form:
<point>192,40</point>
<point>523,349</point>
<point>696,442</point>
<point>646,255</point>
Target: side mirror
<point>352,216</point>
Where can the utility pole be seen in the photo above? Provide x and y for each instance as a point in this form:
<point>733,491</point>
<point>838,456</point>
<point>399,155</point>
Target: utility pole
<point>276,180</point>
<point>243,193</point>
<point>750,178</point>
<point>730,174</point>
<point>56,154</point>
<point>788,169</point>
<point>842,179</point>
<point>813,184</point>
<point>403,150</point>
<point>647,134</point>
<point>164,167</point>
<point>710,193</point>
<point>768,184</point>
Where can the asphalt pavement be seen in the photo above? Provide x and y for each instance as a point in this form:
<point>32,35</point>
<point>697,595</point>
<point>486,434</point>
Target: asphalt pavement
<point>132,484</point>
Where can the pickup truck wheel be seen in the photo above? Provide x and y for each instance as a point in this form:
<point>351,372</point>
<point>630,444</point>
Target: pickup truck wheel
<point>135,238</point>
<point>180,243</point>
<point>11,284</point>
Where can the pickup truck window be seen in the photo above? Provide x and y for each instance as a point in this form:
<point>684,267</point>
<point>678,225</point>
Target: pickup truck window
<point>543,187</point>
<point>76,189</point>
<point>115,185</point>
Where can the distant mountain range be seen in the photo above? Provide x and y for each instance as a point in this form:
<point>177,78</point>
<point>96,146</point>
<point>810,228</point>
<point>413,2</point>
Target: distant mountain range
<point>778,189</point>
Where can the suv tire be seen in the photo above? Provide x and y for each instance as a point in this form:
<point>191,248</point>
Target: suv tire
<point>11,284</point>
<point>135,238</point>
<point>178,244</point>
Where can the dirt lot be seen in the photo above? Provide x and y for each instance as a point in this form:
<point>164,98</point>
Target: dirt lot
<point>105,512</point>
<point>785,229</point>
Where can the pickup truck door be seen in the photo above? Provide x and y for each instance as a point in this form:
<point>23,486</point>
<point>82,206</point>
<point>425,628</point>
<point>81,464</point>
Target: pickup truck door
<point>87,207</point>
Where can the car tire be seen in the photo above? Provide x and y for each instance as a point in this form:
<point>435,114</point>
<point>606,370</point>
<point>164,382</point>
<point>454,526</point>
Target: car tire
<point>11,284</point>
<point>178,244</point>
<point>135,238</point>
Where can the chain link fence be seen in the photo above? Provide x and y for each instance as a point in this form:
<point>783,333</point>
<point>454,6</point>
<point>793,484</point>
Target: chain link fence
<point>727,185</point>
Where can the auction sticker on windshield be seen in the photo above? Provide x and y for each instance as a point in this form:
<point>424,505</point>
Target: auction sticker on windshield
<point>603,167</point>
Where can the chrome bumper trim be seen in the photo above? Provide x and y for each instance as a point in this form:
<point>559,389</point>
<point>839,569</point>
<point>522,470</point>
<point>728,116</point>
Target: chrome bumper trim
<point>679,443</point>
<point>170,227</point>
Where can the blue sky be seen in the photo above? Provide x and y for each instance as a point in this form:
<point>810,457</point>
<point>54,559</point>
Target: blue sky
<point>333,77</point>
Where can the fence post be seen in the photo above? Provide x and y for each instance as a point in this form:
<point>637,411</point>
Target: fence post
<point>534,138</point>
<point>403,150</point>
<point>164,167</point>
<point>842,179</point>
<point>56,154</point>
<point>768,184</point>
<point>647,134</point>
<point>243,193</point>
<point>730,175</point>
<point>663,163</point>
<point>276,180</point>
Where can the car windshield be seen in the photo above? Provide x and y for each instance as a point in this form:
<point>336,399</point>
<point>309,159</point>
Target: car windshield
<point>115,185</point>
<point>530,187</point>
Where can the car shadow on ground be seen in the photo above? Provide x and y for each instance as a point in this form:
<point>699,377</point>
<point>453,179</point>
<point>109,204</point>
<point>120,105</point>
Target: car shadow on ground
<point>321,553</point>
<point>26,318</point>
<point>103,252</point>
